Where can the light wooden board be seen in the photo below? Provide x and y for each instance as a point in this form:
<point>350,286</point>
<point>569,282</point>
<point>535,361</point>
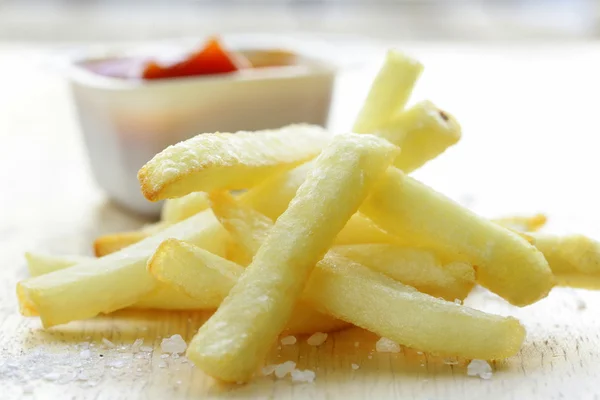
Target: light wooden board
<point>530,144</point>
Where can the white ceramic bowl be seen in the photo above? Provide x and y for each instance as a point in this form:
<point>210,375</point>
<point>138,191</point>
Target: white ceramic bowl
<point>125,122</point>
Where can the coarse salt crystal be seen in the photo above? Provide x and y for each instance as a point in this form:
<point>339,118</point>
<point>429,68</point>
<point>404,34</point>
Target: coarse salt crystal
<point>450,361</point>
<point>108,343</point>
<point>306,376</point>
<point>52,376</point>
<point>85,354</point>
<point>174,345</point>
<point>288,340</point>
<point>284,368</point>
<point>162,364</point>
<point>317,339</point>
<point>137,343</point>
<point>146,349</point>
<point>479,368</point>
<point>385,345</point>
<point>268,369</point>
<point>458,301</point>
<point>355,366</point>
<point>164,356</point>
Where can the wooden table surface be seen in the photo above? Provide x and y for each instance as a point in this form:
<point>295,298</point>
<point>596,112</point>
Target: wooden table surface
<point>531,128</point>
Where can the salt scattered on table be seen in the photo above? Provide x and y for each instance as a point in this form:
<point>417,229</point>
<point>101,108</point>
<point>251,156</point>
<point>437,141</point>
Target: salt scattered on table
<point>479,368</point>
<point>306,376</point>
<point>284,368</point>
<point>288,340</point>
<point>173,345</point>
<point>317,339</point>
<point>385,345</point>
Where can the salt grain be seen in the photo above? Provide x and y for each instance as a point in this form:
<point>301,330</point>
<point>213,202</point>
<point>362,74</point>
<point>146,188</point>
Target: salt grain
<point>85,354</point>
<point>52,376</point>
<point>162,364</point>
<point>317,339</point>
<point>306,376</point>
<point>288,340</point>
<point>164,356</point>
<point>268,369</point>
<point>479,368</point>
<point>146,349</point>
<point>173,345</point>
<point>355,366</point>
<point>385,345</point>
<point>108,343</point>
<point>284,368</point>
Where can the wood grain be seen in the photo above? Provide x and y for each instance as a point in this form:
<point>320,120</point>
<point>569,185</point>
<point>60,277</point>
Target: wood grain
<point>529,145</point>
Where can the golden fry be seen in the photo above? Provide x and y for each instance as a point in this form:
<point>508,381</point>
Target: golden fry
<point>176,210</point>
<point>352,292</point>
<point>210,162</point>
<point>574,259</point>
<point>423,132</point>
<point>505,263</point>
<point>208,278</point>
<point>115,281</point>
<point>420,269</point>
<point>389,92</point>
<point>232,343</point>
<point>531,223</point>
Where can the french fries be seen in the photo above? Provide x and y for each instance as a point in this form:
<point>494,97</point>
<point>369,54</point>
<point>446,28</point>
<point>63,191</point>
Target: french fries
<point>423,132</point>
<point>389,92</point>
<point>248,227</point>
<point>574,259</point>
<point>351,292</point>
<point>208,278</point>
<point>115,281</point>
<point>232,343</point>
<point>176,210</point>
<point>417,268</point>
<point>505,263</point>
<point>373,301</point>
<point>523,223</point>
<point>210,162</point>
<point>162,297</point>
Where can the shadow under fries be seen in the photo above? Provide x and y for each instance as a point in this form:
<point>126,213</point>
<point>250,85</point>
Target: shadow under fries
<point>123,327</point>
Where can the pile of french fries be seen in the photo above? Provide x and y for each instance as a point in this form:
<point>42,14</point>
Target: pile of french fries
<point>329,231</point>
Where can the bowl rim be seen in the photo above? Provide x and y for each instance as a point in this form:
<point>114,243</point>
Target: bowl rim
<point>310,65</point>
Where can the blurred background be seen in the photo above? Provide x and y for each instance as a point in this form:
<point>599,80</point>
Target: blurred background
<point>520,76</point>
<point>470,20</point>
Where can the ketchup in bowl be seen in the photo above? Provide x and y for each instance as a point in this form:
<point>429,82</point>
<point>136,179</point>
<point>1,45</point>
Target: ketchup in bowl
<point>211,59</point>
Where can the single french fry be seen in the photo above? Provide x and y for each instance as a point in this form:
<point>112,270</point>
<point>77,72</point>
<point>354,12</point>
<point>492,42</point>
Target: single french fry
<point>251,228</point>
<point>423,132</point>
<point>176,210</point>
<point>106,244</point>
<point>360,229</point>
<point>504,262</point>
<point>389,92</point>
<point>272,196</point>
<point>519,223</point>
<point>349,291</point>
<point>208,278</point>
<point>248,227</point>
<point>420,269</point>
<point>574,259</point>
<point>210,162</point>
<point>115,281</point>
<point>40,264</point>
<point>232,343</point>
<point>162,297</point>
<point>376,302</point>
